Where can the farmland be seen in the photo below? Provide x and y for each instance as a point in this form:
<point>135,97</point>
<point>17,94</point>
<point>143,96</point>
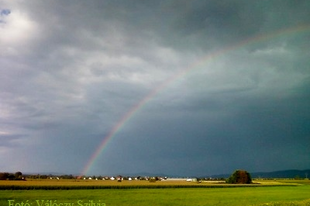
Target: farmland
<point>282,192</point>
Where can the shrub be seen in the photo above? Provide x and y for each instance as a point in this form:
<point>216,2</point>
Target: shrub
<point>153,179</point>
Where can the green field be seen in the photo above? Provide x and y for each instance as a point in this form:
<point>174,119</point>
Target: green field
<point>272,194</point>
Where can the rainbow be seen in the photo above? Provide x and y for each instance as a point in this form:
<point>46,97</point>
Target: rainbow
<point>117,127</point>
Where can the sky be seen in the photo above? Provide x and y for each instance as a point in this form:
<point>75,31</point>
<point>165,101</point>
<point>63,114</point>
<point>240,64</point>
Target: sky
<point>174,87</point>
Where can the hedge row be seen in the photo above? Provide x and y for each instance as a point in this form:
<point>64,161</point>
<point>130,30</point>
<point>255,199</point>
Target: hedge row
<point>46,187</point>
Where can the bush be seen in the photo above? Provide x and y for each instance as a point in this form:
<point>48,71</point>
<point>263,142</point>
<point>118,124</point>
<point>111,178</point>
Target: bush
<point>153,179</point>
<point>240,177</point>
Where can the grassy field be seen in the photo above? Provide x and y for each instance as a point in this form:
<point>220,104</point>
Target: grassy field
<point>275,195</point>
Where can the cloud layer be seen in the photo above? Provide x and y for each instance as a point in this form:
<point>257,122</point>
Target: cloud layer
<point>71,70</point>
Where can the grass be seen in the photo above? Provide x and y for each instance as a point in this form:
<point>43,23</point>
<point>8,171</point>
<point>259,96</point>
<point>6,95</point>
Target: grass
<point>260,196</point>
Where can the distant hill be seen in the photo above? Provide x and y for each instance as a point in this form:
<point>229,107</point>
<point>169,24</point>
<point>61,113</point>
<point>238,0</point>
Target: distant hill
<point>282,174</point>
<point>275,174</point>
<point>44,173</point>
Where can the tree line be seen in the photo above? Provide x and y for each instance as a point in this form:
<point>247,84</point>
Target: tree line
<point>12,176</point>
<point>238,177</point>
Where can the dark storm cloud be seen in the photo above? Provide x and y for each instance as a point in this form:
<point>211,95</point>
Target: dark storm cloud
<point>71,70</point>
<point>246,133</point>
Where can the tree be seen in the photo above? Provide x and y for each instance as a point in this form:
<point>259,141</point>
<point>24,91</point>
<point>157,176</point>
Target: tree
<point>4,176</point>
<point>240,177</point>
<point>18,175</point>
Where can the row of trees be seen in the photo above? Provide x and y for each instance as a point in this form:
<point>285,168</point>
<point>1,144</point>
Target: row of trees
<point>11,176</point>
<point>39,176</point>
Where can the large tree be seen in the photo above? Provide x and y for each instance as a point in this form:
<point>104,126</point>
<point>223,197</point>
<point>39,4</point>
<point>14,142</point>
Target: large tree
<point>240,177</point>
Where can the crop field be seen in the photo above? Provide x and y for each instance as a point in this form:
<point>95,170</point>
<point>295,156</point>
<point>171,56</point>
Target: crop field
<point>89,193</point>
